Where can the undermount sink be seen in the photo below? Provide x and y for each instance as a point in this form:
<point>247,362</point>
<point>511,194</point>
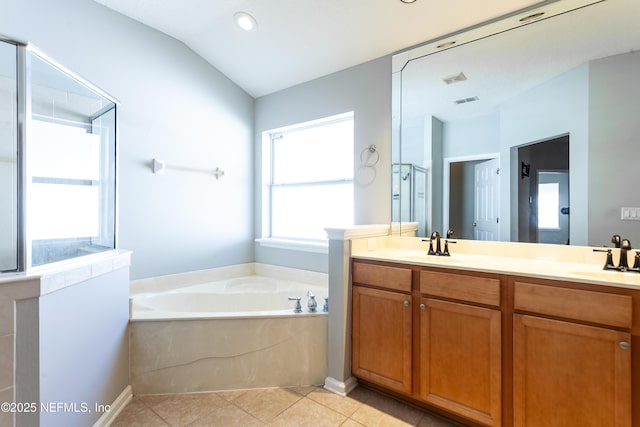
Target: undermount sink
<point>605,274</point>
<point>598,274</point>
<point>433,258</point>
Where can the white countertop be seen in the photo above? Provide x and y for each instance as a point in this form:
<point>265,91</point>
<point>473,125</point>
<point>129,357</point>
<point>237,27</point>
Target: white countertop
<point>582,272</point>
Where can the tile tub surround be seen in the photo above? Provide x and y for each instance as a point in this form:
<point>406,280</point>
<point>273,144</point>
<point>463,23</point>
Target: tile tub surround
<point>181,356</point>
<point>194,352</point>
<point>174,281</point>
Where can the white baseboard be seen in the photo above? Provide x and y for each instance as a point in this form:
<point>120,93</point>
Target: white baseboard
<point>339,387</point>
<point>116,407</point>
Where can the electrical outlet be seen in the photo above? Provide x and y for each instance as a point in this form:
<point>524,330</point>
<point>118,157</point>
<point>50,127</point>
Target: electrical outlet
<point>630,214</point>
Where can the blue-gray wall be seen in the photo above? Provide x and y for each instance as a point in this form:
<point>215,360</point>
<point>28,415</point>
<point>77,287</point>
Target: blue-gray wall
<point>175,107</point>
<point>364,89</point>
<point>614,147</point>
<point>72,347</point>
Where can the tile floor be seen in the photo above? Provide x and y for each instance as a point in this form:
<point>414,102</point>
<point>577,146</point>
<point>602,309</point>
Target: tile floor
<point>294,407</point>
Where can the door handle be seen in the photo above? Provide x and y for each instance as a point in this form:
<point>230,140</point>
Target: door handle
<point>475,224</point>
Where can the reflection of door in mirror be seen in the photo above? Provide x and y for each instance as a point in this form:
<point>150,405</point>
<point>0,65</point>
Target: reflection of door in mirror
<point>553,203</point>
<point>543,192</point>
<point>474,202</point>
<point>487,200</point>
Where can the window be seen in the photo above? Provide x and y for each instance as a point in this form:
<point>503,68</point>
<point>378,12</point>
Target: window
<point>548,205</point>
<point>308,178</point>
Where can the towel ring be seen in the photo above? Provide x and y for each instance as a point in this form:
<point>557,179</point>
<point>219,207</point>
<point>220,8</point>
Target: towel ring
<point>373,154</point>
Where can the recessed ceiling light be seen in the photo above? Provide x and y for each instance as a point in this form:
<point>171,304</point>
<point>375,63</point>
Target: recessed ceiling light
<point>532,17</point>
<point>245,21</point>
<point>408,1</point>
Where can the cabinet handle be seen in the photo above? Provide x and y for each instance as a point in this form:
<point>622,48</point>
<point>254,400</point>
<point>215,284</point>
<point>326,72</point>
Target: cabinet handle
<point>422,306</point>
<point>625,345</point>
<point>406,303</point>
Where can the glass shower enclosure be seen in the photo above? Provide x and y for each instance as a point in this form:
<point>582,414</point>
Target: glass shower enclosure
<point>57,162</point>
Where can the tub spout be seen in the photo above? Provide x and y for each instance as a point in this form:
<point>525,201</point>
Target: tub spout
<point>312,304</point>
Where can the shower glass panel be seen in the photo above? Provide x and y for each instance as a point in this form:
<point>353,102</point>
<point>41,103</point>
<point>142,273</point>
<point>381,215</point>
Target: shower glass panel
<point>8,158</point>
<point>410,181</point>
<point>57,162</point>
<point>71,172</point>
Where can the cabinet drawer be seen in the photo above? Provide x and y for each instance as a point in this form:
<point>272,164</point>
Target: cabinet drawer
<point>481,290</point>
<point>597,307</point>
<point>395,278</point>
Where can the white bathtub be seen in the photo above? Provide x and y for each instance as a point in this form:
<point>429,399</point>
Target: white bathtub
<point>249,296</point>
<point>213,330</point>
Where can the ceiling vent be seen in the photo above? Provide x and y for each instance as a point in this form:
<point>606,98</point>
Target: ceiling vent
<point>465,100</point>
<point>460,77</point>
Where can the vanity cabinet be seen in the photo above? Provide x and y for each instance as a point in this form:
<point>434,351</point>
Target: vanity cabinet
<point>572,363</point>
<point>382,326</point>
<point>498,349</point>
<point>438,340</point>
<point>460,345</point>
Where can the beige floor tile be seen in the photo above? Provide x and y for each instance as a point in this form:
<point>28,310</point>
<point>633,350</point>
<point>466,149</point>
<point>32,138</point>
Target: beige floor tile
<point>374,417</point>
<point>295,407</point>
<point>362,394</point>
<point>351,423</point>
<point>182,409</point>
<point>227,416</point>
<point>231,395</point>
<point>304,390</point>
<point>306,412</point>
<point>388,410</point>
<point>429,420</point>
<point>343,405</point>
<point>267,404</point>
<point>137,414</point>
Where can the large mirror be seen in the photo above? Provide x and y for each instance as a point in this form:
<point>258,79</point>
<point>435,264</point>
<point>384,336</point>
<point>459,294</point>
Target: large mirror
<point>531,134</point>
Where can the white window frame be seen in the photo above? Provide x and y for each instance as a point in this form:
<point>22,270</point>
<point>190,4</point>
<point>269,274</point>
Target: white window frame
<point>267,240</point>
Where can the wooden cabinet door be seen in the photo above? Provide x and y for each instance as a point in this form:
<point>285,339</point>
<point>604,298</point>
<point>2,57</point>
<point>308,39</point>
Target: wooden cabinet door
<point>381,338</point>
<point>460,359</point>
<point>566,374</point>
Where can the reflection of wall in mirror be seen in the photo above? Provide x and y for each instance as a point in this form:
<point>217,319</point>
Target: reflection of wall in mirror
<point>594,103</point>
<point>614,146</point>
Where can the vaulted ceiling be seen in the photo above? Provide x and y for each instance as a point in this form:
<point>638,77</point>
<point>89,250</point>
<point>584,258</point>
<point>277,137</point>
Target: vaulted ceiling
<point>297,41</point>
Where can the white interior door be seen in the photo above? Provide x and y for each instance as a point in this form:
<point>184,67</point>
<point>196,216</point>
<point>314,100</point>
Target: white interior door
<point>487,200</point>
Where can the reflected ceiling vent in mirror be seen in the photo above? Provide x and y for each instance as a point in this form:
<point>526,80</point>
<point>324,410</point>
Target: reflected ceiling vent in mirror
<point>446,44</point>
<point>460,77</point>
<point>532,17</point>
<point>465,100</point>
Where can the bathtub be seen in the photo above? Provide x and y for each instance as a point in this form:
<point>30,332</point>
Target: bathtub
<point>227,329</point>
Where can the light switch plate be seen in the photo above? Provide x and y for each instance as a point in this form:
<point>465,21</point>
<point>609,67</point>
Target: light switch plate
<point>630,214</point>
